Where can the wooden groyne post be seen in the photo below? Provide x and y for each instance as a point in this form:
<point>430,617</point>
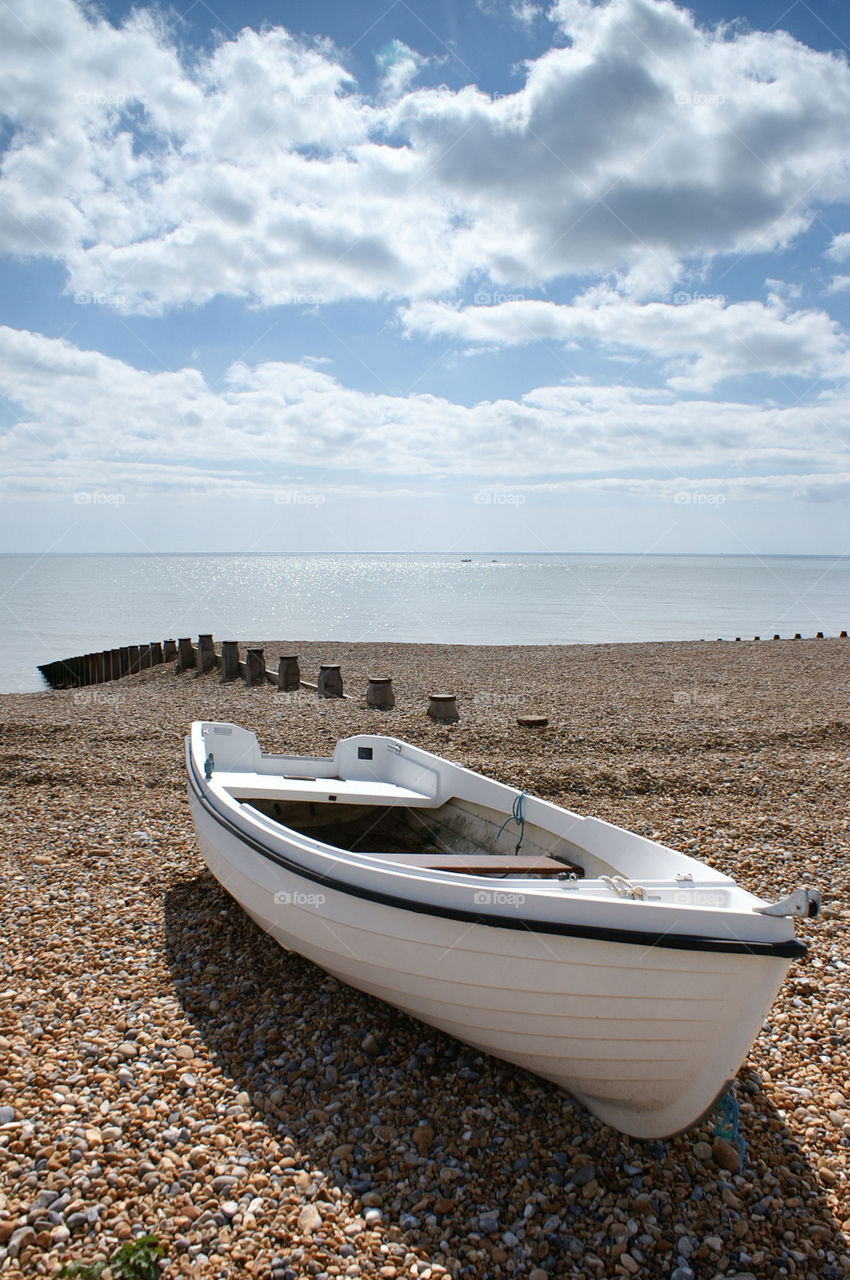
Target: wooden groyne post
<point>206,658</point>
<point>185,654</point>
<point>380,694</point>
<point>255,667</point>
<point>288,674</point>
<point>330,681</point>
<point>229,660</point>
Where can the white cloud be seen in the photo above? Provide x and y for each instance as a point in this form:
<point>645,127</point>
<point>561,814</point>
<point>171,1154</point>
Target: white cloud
<point>258,171</point>
<point>698,340</point>
<point>399,65</point>
<point>88,420</point>
<point>840,247</point>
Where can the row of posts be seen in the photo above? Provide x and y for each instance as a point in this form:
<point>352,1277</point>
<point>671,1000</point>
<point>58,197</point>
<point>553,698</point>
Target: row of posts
<point>842,635</point>
<point>113,664</point>
<point>109,664</point>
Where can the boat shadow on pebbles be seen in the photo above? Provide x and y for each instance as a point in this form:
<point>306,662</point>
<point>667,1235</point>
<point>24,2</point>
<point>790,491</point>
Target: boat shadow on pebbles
<point>386,1126</point>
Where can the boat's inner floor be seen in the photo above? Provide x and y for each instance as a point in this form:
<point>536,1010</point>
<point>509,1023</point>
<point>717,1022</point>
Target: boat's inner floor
<point>440,839</point>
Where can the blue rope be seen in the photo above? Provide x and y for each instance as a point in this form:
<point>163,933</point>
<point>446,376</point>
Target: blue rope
<point>726,1125</point>
<point>518,817</point>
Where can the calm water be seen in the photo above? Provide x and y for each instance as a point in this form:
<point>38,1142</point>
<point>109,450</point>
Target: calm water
<point>59,606</point>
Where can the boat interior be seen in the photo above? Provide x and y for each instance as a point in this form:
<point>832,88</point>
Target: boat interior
<point>458,836</point>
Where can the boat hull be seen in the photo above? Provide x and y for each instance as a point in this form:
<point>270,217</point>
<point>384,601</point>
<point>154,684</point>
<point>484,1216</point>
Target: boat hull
<point>645,1036</point>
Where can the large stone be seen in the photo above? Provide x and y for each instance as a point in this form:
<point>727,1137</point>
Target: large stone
<point>309,1219</point>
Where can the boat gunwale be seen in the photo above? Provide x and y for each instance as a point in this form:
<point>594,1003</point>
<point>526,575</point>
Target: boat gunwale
<point>789,949</point>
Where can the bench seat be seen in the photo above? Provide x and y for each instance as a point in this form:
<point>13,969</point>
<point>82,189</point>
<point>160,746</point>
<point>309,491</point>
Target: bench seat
<point>268,786</point>
<point>481,864</point>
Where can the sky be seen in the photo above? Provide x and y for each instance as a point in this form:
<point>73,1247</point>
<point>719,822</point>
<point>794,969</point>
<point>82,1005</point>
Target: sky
<point>425,275</point>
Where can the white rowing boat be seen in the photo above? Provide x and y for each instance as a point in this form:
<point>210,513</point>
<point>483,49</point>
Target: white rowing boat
<point>632,976</point>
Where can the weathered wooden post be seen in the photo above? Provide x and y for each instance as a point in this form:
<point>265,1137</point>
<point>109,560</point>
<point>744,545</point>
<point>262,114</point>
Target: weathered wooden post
<point>442,707</point>
<point>288,674</point>
<point>255,667</point>
<point>206,654</point>
<point>169,650</point>
<point>124,655</point>
<point>229,660</point>
<point>329,684</point>
<point>144,657</point>
<point>133,651</point>
<point>116,664</point>
<point>186,654</point>
<point>156,653</point>
<point>380,693</point>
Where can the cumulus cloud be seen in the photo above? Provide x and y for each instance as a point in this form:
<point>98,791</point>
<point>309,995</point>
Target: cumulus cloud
<point>698,340</point>
<point>259,171</point>
<point>86,418</point>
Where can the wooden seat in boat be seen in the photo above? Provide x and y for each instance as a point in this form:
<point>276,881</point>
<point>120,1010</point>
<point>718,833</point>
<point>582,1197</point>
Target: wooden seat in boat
<point>480,864</point>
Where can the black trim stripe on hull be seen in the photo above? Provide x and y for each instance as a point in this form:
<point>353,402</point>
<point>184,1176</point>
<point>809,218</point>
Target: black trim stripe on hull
<point>793,949</point>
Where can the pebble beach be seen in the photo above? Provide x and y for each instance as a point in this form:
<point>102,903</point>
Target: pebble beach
<point>165,1067</point>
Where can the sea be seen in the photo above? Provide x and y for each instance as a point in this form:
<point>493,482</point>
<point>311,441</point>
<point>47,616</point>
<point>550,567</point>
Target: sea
<point>61,606</point>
